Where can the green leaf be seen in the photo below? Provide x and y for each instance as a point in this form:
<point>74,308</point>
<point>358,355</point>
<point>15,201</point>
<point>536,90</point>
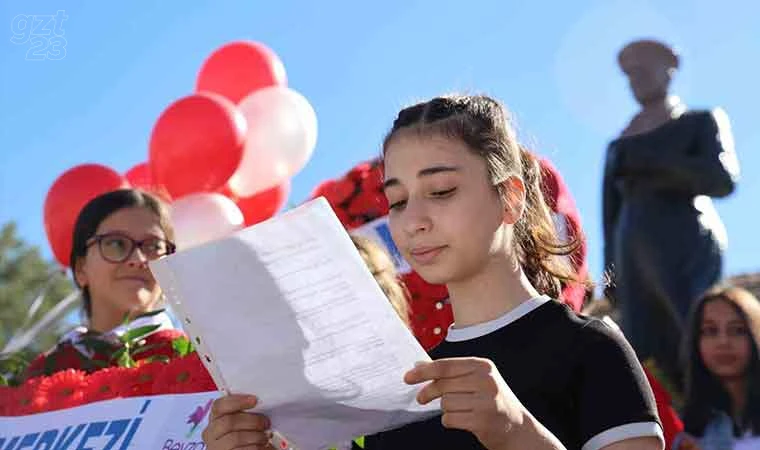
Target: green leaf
<point>13,363</point>
<point>125,320</point>
<point>182,346</point>
<point>3,381</point>
<point>144,348</point>
<point>151,313</point>
<point>360,441</point>
<point>118,354</point>
<point>13,357</point>
<point>125,360</point>
<point>160,358</point>
<point>139,332</point>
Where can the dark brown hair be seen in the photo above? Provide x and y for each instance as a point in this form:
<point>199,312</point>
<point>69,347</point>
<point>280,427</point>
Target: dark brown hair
<point>482,123</point>
<point>380,264</point>
<point>98,210</point>
<point>705,394</point>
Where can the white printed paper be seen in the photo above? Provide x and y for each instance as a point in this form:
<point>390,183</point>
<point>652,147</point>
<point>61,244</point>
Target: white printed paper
<point>287,310</point>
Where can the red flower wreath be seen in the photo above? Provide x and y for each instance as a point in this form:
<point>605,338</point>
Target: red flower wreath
<point>25,399</point>
<point>64,389</point>
<point>183,376</point>
<point>141,379</point>
<point>106,384</point>
<point>6,393</point>
<point>159,343</point>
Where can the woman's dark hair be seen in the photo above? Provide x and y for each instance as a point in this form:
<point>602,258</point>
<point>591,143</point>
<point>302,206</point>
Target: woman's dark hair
<point>483,125</point>
<point>97,210</point>
<point>705,394</point>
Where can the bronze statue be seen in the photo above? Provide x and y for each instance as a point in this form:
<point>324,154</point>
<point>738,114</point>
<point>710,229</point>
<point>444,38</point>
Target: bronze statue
<point>663,239</point>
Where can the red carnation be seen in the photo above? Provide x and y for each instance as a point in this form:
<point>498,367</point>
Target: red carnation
<point>344,190</point>
<point>358,170</point>
<point>335,191</point>
<point>183,376</point>
<point>372,180</point>
<point>123,381</point>
<point>64,389</point>
<point>343,216</point>
<point>25,399</point>
<point>368,203</point>
<point>142,378</point>
<point>6,394</point>
<point>104,384</point>
<point>160,344</point>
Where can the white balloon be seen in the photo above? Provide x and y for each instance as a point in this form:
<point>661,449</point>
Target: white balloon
<point>204,217</point>
<point>282,134</point>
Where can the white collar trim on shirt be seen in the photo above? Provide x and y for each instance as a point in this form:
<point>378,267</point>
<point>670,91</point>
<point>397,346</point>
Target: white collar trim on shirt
<point>482,329</point>
<point>75,336</point>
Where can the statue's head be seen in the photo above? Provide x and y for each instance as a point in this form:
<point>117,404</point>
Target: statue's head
<point>649,66</point>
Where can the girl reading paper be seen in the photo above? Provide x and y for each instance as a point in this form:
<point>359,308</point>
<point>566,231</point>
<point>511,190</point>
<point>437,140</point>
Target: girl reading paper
<point>518,370</point>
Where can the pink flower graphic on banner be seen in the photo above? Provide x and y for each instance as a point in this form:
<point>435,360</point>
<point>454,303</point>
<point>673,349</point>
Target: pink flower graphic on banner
<point>197,416</point>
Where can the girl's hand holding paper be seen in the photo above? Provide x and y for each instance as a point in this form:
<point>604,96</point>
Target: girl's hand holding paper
<point>230,426</point>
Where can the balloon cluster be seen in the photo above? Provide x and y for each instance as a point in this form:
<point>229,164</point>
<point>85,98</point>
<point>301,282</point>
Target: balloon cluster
<point>222,156</point>
<point>358,201</point>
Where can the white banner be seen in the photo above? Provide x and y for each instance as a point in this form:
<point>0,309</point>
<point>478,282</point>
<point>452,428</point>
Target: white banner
<point>161,422</point>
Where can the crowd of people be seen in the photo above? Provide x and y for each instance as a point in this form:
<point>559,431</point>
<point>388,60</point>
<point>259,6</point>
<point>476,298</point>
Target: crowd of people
<point>519,368</point>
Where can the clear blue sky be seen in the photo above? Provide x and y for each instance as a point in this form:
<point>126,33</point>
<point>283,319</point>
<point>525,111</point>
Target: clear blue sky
<point>551,62</point>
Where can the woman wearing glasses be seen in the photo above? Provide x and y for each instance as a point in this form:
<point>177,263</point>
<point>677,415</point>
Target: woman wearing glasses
<point>115,236</point>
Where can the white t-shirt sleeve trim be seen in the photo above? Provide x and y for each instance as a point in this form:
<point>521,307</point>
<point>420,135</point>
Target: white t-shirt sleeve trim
<point>623,432</point>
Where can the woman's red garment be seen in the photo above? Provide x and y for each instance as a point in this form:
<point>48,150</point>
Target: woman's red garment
<point>671,423</point>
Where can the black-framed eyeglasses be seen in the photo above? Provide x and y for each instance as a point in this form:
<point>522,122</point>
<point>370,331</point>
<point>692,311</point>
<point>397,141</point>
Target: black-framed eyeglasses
<point>117,247</point>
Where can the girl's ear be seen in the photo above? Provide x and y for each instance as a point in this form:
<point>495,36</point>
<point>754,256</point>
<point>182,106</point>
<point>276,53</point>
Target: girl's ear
<point>514,199</point>
<point>80,274</point>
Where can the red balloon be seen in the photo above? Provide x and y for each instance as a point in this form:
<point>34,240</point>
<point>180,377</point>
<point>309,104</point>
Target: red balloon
<point>66,198</point>
<point>260,207</point>
<point>139,176</point>
<point>239,68</point>
<point>196,144</point>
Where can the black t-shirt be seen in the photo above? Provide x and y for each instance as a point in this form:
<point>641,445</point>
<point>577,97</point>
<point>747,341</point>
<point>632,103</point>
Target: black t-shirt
<point>576,375</point>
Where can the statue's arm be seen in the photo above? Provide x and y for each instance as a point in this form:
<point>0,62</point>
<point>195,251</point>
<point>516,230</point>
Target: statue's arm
<point>717,161</point>
<point>711,169</point>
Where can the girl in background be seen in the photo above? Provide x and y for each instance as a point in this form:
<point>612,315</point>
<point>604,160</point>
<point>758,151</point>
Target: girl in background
<point>722,405</point>
<point>115,236</point>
